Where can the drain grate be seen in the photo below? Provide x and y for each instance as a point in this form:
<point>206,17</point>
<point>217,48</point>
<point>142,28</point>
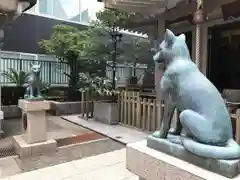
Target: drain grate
<point>5,152</point>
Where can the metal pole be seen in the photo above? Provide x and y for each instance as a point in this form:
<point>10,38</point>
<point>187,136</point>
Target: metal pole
<point>114,56</point>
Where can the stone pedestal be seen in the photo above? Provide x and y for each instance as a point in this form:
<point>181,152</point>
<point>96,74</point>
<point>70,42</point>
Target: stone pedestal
<point>150,164</point>
<point>35,138</point>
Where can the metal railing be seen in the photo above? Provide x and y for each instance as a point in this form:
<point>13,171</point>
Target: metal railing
<point>51,71</point>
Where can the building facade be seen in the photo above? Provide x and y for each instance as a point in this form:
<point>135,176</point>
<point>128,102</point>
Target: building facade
<point>21,36</point>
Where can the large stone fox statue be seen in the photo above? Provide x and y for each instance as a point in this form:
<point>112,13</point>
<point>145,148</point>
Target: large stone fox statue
<point>204,115</point>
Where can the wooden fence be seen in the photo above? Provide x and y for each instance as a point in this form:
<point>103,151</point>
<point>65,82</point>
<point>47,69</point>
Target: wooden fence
<point>146,113</point>
<point>141,113</point>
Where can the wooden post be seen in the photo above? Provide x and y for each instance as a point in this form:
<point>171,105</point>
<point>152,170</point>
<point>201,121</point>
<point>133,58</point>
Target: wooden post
<point>119,107</point>
<point>143,120</point>
<point>125,107</point>
<point>133,109</point>
<point>149,106</point>
<point>138,111</point>
<point>87,105</point>
<point>122,107</point>
<point>154,118</point>
<point>82,104</point>
<point>129,108</point>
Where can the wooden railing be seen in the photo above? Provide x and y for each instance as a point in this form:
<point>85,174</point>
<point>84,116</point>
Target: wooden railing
<point>146,113</point>
<point>141,113</point>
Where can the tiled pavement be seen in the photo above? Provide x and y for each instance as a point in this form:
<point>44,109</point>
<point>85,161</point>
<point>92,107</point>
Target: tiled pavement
<point>108,166</point>
<point>120,133</point>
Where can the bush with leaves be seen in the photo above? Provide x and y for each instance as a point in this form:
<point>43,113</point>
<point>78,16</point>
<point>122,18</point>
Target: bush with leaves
<point>96,85</point>
<point>17,77</point>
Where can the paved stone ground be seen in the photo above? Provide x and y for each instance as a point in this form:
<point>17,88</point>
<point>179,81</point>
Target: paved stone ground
<point>69,153</point>
<point>120,133</point>
<point>57,129</point>
<point>108,166</point>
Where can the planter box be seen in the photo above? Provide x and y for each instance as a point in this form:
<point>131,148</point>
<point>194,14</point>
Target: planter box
<point>64,108</point>
<point>11,112</point>
<point>106,113</point>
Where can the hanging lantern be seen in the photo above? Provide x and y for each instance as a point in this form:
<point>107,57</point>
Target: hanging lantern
<point>199,15</point>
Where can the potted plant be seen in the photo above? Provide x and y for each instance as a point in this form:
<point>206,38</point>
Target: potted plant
<point>104,96</point>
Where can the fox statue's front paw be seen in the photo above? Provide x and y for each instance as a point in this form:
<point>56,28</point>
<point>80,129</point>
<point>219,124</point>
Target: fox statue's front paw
<point>159,134</point>
<point>156,134</point>
<point>174,131</point>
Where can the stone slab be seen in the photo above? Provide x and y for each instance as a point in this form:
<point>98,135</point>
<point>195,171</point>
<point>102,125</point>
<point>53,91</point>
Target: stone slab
<point>228,168</point>
<point>151,164</point>
<point>27,106</point>
<point>23,149</point>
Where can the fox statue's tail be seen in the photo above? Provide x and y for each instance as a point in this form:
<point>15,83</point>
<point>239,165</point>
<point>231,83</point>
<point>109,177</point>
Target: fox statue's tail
<point>230,151</point>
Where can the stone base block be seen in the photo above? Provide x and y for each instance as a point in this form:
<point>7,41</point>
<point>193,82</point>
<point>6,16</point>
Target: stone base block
<point>150,164</point>
<point>23,149</point>
<point>106,112</point>
<point>29,106</point>
<point>64,108</point>
<point>228,168</point>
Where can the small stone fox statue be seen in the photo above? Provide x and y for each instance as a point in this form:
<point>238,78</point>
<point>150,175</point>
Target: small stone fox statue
<point>203,113</point>
<point>34,84</point>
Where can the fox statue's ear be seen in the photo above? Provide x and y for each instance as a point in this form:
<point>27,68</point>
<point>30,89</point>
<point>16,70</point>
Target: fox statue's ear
<point>169,37</point>
<point>182,37</point>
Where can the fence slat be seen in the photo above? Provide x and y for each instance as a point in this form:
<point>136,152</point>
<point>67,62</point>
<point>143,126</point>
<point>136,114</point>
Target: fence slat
<point>119,108</point>
<point>133,109</point>
<point>125,107</point>
<point>129,108</point>
<point>143,120</point>
<point>154,119</point>
<point>138,113</point>
<point>149,107</point>
<point>122,107</point>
